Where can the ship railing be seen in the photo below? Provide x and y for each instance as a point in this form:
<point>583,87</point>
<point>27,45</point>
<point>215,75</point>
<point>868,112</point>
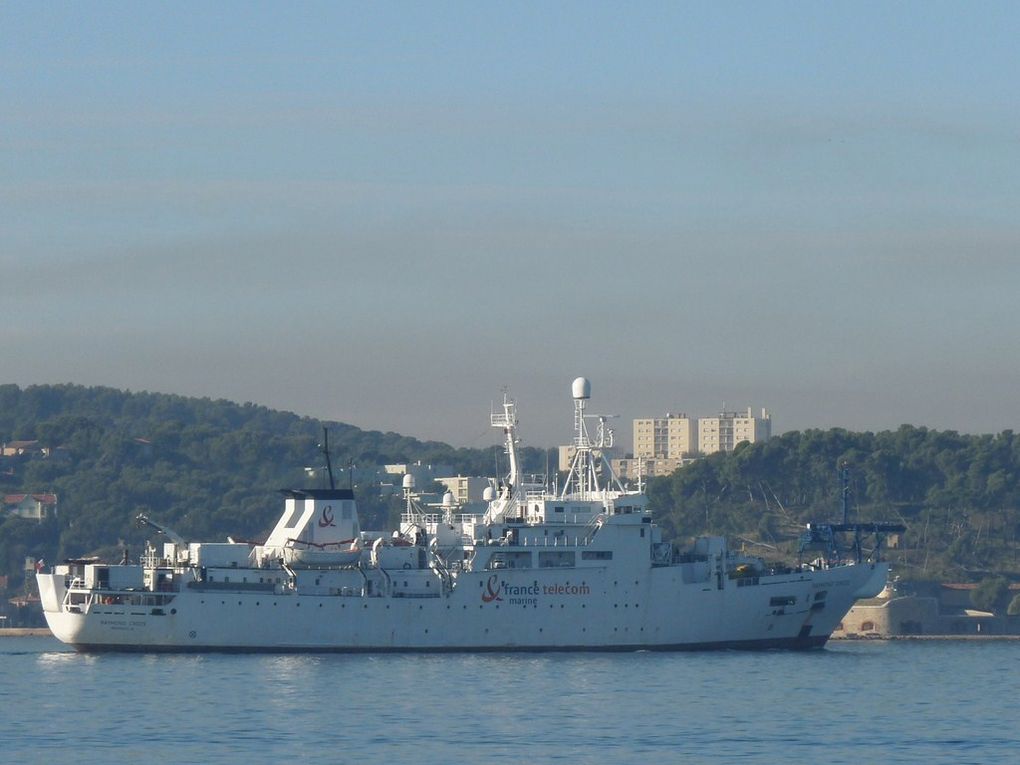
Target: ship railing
<point>557,541</point>
<point>150,558</point>
<point>435,518</point>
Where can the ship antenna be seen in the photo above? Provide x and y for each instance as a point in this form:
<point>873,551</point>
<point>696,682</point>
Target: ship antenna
<point>329,462</point>
<point>845,479</point>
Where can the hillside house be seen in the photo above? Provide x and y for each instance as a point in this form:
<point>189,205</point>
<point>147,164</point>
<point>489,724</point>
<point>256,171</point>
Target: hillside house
<point>32,506</point>
<point>21,449</point>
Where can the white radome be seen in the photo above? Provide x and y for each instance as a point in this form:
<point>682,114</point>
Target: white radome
<point>581,388</point>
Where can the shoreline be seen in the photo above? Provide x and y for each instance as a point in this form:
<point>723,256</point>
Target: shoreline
<point>972,638</point>
<point>25,632</point>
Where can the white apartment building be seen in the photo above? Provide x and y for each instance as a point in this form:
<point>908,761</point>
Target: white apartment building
<point>723,433</point>
<point>669,437</point>
<point>662,444</point>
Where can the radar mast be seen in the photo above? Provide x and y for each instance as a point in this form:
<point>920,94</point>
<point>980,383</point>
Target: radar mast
<point>589,464</point>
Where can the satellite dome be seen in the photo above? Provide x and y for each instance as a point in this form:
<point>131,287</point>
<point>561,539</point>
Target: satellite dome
<point>581,388</point>
<point>408,482</point>
<point>489,494</point>
<point>448,499</point>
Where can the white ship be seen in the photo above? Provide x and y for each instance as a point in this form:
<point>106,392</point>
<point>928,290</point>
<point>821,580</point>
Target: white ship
<point>582,568</point>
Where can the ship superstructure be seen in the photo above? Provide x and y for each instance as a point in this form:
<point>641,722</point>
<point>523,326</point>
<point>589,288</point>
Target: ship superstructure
<point>542,568</point>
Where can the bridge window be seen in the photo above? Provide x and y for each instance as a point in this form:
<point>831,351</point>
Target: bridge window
<point>558,559</point>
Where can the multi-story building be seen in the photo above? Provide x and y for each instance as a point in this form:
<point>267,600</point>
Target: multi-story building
<point>671,437</point>
<point>662,444</point>
<point>723,433</point>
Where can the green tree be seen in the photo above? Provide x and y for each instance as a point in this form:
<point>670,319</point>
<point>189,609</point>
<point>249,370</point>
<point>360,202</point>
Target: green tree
<point>990,594</point>
<point>1014,606</point>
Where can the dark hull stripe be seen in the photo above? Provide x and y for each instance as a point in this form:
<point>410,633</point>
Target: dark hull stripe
<point>788,644</point>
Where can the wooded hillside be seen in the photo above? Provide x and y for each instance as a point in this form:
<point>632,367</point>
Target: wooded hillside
<point>958,495</point>
<point>213,468</point>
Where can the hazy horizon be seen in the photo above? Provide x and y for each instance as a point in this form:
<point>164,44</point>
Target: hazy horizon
<point>383,214</point>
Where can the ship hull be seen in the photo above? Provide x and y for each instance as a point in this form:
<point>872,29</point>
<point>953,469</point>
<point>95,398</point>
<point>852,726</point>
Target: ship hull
<point>594,609</point>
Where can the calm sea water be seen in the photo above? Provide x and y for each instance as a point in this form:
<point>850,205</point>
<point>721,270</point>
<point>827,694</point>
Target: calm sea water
<point>874,702</point>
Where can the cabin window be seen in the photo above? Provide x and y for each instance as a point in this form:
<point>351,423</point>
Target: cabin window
<point>556,559</point>
<point>558,509</point>
<point>783,600</point>
<point>821,595</point>
<point>597,555</point>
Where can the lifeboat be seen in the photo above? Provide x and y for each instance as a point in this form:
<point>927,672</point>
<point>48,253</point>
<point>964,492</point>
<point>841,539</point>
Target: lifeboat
<point>298,554</point>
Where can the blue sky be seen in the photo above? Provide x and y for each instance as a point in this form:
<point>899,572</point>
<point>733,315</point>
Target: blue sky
<point>383,213</point>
